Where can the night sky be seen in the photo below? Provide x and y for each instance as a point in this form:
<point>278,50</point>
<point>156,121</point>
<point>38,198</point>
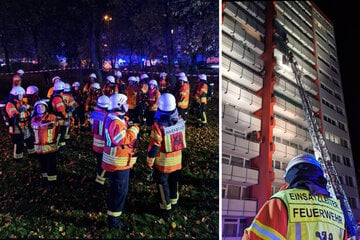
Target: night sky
<point>345,17</point>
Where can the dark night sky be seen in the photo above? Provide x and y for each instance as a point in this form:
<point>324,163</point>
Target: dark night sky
<point>345,17</point>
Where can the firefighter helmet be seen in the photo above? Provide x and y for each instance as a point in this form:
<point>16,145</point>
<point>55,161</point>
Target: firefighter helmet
<point>67,88</point>
<point>20,72</point>
<point>132,78</point>
<point>181,74</point>
<point>17,91</point>
<point>40,102</point>
<point>202,77</point>
<point>118,101</point>
<point>153,82</point>
<point>111,79</point>
<point>118,74</point>
<point>32,90</point>
<point>93,75</point>
<point>103,101</point>
<point>163,74</point>
<point>183,78</point>
<point>76,84</point>
<point>143,76</point>
<point>95,85</point>
<point>54,79</point>
<point>302,158</point>
<point>59,86</point>
<point>167,102</point>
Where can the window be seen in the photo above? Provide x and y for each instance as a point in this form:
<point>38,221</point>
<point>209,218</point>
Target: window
<point>340,110</point>
<point>346,161</point>
<point>335,158</point>
<point>349,181</point>
<point>247,163</point>
<point>226,159</point>
<point>332,57</point>
<point>234,192</point>
<point>326,89</point>
<point>338,96</point>
<point>352,202</point>
<point>344,143</point>
<point>236,161</point>
<point>330,120</point>
<point>336,82</point>
<point>328,104</point>
<point>277,164</point>
<point>230,227</point>
<point>341,126</point>
<point>332,138</point>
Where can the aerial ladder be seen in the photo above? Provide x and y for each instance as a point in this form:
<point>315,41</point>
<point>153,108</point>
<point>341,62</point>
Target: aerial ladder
<point>321,151</point>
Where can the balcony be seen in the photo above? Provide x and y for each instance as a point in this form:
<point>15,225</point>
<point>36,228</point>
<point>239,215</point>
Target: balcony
<point>300,12</point>
<point>285,152</point>
<point>240,52</point>
<point>290,111</point>
<point>234,145</point>
<point>305,7</point>
<point>301,50</point>
<point>290,88</point>
<point>279,177</point>
<point>231,27</point>
<point>239,97</point>
<point>239,175</point>
<point>254,11</point>
<point>238,73</point>
<point>236,119</point>
<point>236,207</point>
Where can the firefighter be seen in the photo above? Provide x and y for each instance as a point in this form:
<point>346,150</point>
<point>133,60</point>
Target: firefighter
<point>59,110</point>
<point>164,85</point>
<point>132,92</point>
<point>16,80</point>
<point>86,89</point>
<point>120,82</point>
<point>20,72</point>
<point>142,98</point>
<point>53,80</point>
<point>19,124</point>
<point>71,105</point>
<point>90,104</point>
<point>167,139</point>
<point>46,130</point>
<point>287,216</point>
<point>152,101</point>
<point>200,100</point>
<point>118,156</point>
<point>97,123</point>
<point>31,96</point>
<point>79,113</point>
<point>182,96</point>
<point>110,87</point>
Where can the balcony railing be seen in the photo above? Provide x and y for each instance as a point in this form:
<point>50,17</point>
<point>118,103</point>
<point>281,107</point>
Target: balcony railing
<point>239,175</point>
<point>235,207</point>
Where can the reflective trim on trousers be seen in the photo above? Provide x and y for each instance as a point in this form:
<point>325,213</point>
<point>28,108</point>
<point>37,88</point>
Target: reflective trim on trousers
<point>114,214</point>
<point>52,178</point>
<point>163,204</point>
<point>19,155</point>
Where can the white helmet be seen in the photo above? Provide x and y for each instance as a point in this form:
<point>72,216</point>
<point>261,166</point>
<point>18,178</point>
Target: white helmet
<point>302,158</point>
<point>118,100</point>
<point>167,102</point>
<point>132,78</point>
<point>32,90</point>
<point>202,77</point>
<point>56,78</point>
<point>118,74</point>
<point>111,79</point>
<point>76,84</point>
<point>59,85</point>
<point>20,72</point>
<point>93,75</point>
<point>67,88</point>
<point>153,82</point>
<point>181,74</point>
<point>95,85</point>
<point>103,101</point>
<point>163,74</point>
<point>137,79</point>
<point>17,90</point>
<point>143,76</point>
<point>41,102</point>
<point>183,78</point>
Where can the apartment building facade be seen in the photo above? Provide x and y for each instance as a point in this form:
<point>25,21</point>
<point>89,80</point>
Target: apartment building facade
<point>263,124</point>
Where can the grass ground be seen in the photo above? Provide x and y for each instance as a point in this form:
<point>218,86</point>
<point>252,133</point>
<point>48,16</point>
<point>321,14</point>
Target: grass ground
<point>78,207</point>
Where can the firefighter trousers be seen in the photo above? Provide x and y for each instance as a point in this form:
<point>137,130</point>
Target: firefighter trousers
<point>119,186</point>
<point>201,114</point>
<point>100,173</point>
<point>19,141</point>
<point>61,138</point>
<point>168,184</point>
<point>79,116</point>
<point>47,164</point>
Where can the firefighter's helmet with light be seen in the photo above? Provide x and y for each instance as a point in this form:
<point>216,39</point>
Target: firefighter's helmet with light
<point>143,76</point>
<point>153,82</point>
<point>32,90</point>
<point>118,102</point>
<point>59,86</point>
<point>181,74</point>
<point>20,72</point>
<point>202,77</point>
<point>95,86</point>
<point>167,102</point>
<point>111,79</point>
<point>54,79</point>
<point>92,75</point>
<point>67,88</point>
<point>163,74</point>
<point>183,78</point>
<point>103,102</point>
<point>302,158</point>
<point>41,102</point>
<point>118,74</point>
<point>18,92</point>
<point>76,84</point>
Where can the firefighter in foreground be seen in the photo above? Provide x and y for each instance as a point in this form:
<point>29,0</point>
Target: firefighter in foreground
<point>167,139</point>
<point>19,123</point>
<point>97,123</point>
<point>302,209</point>
<point>46,130</point>
<point>118,156</point>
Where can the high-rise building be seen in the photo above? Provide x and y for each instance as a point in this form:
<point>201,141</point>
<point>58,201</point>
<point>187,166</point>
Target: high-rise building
<point>263,123</point>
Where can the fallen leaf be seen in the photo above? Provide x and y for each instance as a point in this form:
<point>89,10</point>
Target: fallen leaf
<point>173,225</point>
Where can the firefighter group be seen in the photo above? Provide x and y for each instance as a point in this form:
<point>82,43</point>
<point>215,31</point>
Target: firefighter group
<point>115,114</point>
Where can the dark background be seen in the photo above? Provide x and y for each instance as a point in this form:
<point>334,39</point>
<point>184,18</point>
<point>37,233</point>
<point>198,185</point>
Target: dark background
<point>345,17</point>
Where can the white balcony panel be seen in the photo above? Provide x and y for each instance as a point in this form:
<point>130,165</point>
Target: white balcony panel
<point>290,111</point>
<point>253,9</point>
<point>236,119</point>
<point>300,12</point>
<point>239,175</point>
<point>235,207</point>
<point>279,177</point>
<point>261,4</point>
<point>241,98</point>
<point>305,7</point>
<point>237,146</point>
<point>290,89</point>
<point>301,50</point>
<point>238,73</point>
<point>238,51</point>
<point>285,152</point>
<point>232,28</point>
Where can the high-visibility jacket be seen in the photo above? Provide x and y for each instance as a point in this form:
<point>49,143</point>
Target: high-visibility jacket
<point>69,102</point>
<point>166,141</point>
<point>22,118</point>
<point>31,100</point>
<point>91,100</point>
<point>183,96</point>
<point>132,93</point>
<point>109,89</point>
<point>153,99</point>
<point>86,89</point>
<point>46,130</point>
<point>296,214</point>
<point>97,121</point>
<point>200,95</point>
<point>59,108</point>
<point>118,151</point>
<point>163,85</point>
<point>144,88</point>
<point>16,80</point>
<point>50,92</point>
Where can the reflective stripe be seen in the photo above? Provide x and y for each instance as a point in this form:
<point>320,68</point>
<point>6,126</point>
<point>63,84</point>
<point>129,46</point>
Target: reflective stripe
<point>59,105</point>
<point>298,231</point>
<point>163,161</point>
<point>164,204</point>
<point>134,130</point>
<point>31,151</point>
<point>174,201</point>
<point>17,156</point>
<point>52,178</point>
<point>98,142</point>
<point>155,136</point>
<point>46,148</point>
<point>100,180</point>
<point>44,175</point>
<point>120,136</point>
<point>265,232</point>
<point>114,214</point>
<point>50,135</point>
<point>118,161</point>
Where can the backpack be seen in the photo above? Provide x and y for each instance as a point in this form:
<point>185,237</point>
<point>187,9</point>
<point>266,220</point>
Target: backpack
<point>50,105</point>
<point>4,114</point>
